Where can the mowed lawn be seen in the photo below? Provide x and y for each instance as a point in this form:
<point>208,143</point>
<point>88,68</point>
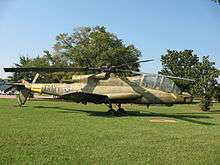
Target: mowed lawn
<point>50,132</point>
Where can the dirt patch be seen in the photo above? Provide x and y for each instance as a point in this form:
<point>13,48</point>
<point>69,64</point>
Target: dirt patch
<point>162,120</point>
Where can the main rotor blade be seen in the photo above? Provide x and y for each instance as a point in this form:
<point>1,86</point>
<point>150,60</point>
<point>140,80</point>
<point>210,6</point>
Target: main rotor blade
<point>70,69</point>
<point>178,78</point>
<point>132,63</point>
<point>51,69</point>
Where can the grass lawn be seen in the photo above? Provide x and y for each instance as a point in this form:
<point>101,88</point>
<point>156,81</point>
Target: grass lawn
<point>46,132</point>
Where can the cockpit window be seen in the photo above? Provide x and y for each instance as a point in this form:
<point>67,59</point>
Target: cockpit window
<point>150,81</point>
<point>155,81</point>
<point>160,82</point>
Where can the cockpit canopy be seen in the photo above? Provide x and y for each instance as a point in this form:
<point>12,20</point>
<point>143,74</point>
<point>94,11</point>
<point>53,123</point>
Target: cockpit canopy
<point>155,81</point>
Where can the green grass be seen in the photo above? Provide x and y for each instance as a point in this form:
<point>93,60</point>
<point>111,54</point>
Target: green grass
<point>46,132</point>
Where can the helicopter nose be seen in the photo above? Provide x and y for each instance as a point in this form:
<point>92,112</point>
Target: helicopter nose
<point>187,98</point>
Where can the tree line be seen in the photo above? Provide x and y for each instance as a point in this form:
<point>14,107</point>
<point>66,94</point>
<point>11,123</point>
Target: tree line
<point>95,47</point>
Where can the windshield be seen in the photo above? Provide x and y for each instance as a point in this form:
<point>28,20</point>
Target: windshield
<point>160,82</point>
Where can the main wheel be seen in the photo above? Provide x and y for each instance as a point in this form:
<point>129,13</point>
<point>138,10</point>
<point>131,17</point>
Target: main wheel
<point>111,112</point>
<point>121,111</point>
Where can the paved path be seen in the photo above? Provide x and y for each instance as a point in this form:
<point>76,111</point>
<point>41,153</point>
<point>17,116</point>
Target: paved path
<point>7,96</point>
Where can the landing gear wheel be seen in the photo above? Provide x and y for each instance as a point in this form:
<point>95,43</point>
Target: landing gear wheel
<point>111,112</point>
<point>121,111</point>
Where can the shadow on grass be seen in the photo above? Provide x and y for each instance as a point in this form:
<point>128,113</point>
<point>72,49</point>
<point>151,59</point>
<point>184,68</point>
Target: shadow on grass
<point>203,112</point>
<point>215,111</point>
<point>191,117</point>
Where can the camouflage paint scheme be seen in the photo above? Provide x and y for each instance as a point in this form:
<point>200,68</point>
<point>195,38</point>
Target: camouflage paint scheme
<point>103,88</point>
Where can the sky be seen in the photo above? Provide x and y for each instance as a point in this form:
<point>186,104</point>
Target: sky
<point>28,27</point>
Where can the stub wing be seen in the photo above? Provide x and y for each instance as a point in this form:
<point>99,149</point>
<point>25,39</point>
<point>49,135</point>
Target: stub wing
<point>99,99</point>
<point>85,97</point>
<point>123,96</point>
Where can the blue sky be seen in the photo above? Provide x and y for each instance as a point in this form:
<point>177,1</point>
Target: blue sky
<point>28,27</point>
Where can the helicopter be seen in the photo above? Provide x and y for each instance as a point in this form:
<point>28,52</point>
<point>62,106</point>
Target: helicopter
<point>106,85</point>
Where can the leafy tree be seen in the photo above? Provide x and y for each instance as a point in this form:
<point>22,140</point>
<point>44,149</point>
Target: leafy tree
<point>31,62</point>
<point>84,47</point>
<point>217,1</point>
<point>186,64</point>
<point>180,64</point>
<point>94,47</point>
<point>205,86</point>
<point>23,61</point>
<point>217,92</point>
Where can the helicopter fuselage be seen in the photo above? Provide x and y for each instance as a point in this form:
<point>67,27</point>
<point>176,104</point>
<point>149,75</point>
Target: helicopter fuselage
<point>101,89</point>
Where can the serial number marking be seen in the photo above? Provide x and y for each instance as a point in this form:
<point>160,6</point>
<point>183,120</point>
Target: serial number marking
<point>54,89</point>
<point>50,88</point>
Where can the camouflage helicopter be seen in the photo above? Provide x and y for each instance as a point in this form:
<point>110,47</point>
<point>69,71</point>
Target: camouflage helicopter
<point>107,85</point>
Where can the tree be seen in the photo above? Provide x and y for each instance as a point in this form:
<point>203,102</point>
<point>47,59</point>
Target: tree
<point>217,1</point>
<point>217,92</point>
<point>94,47</point>
<point>23,61</point>
<point>186,64</point>
<point>31,62</point>
<point>180,64</point>
<point>84,47</point>
<point>206,75</point>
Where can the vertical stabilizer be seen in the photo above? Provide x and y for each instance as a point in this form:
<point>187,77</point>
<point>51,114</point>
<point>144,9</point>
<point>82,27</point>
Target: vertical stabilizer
<point>22,96</point>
